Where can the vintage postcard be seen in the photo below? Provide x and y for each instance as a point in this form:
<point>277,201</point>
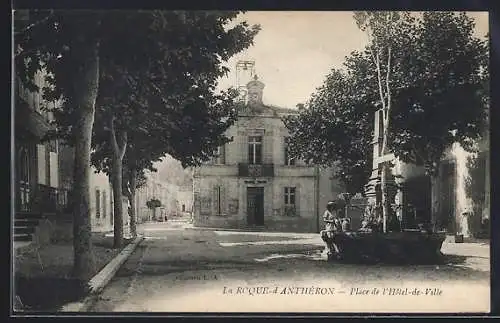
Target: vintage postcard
<point>249,162</point>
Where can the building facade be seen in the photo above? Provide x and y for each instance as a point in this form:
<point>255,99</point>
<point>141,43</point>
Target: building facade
<point>457,200</point>
<point>254,182</point>
<point>155,188</point>
<point>43,175</point>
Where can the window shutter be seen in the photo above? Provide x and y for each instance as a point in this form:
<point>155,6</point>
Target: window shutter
<point>285,151</point>
<point>104,204</point>
<point>223,200</point>
<point>97,203</point>
<point>42,164</point>
<point>215,202</point>
<point>243,148</point>
<point>223,154</point>
<point>54,172</point>
<point>297,200</point>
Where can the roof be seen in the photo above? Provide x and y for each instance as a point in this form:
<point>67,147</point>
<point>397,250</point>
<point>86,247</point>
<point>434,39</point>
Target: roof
<point>264,109</point>
<point>282,110</point>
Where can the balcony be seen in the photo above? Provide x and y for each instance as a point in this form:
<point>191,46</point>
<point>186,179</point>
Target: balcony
<point>44,199</point>
<point>255,170</point>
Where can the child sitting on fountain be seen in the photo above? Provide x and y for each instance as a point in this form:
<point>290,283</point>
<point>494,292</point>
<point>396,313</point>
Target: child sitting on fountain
<point>332,226</point>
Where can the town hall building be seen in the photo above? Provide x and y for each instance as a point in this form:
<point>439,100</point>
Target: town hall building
<point>254,182</point>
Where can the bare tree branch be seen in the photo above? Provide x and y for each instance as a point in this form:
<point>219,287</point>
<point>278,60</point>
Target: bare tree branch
<point>124,146</point>
<point>114,142</point>
<point>379,77</point>
<point>36,23</point>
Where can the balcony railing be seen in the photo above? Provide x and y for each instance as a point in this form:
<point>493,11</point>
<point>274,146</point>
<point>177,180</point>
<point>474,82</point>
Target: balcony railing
<point>44,199</point>
<point>255,170</point>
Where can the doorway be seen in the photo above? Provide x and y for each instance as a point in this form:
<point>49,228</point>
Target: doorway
<point>255,206</point>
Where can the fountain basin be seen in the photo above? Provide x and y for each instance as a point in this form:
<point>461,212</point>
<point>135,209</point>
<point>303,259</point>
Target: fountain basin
<point>409,246</point>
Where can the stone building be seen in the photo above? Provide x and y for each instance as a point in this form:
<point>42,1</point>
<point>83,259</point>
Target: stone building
<point>254,182</point>
<point>155,188</point>
<point>456,201</point>
<point>43,175</point>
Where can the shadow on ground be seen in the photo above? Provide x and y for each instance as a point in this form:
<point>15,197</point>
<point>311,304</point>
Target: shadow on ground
<point>49,287</point>
<point>48,293</point>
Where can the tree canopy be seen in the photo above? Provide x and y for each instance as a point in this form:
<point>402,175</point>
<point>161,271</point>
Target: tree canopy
<point>444,99</point>
<point>438,86</point>
<point>335,128</point>
<point>137,75</point>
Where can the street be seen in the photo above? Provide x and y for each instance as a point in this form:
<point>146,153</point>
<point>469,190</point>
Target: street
<point>179,269</point>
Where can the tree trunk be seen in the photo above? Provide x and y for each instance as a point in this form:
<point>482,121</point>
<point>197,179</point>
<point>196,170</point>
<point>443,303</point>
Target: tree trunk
<point>131,197</point>
<point>117,175</point>
<point>435,202</point>
<point>386,203</point>
<point>88,84</point>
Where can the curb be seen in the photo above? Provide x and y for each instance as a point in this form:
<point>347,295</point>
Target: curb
<point>102,278</point>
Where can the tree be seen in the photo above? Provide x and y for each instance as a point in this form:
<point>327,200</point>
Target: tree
<point>445,100</point>
<point>389,32</point>
<point>80,49</point>
<point>153,204</point>
<point>67,45</point>
<point>413,71</point>
<point>335,127</point>
<point>133,179</point>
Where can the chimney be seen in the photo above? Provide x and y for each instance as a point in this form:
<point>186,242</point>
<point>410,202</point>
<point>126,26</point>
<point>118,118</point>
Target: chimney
<point>255,89</point>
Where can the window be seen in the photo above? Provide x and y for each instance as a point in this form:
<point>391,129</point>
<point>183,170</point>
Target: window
<point>255,150</point>
<point>218,200</point>
<point>220,158</point>
<point>97,203</point>
<point>289,161</point>
<point>104,204</point>
<point>183,208</point>
<point>289,196</point>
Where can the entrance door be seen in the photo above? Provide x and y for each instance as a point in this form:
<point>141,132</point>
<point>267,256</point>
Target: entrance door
<point>255,206</point>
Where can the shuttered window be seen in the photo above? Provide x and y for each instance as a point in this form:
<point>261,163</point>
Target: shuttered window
<point>97,203</point>
<point>219,200</point>
<point>42,164</point>
<point>220,158</point>
<point>104,204</point>
<point>290,201</point>
<point>289,160</point>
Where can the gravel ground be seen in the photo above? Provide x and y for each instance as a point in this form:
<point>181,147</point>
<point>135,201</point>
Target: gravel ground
<point>191,271</point>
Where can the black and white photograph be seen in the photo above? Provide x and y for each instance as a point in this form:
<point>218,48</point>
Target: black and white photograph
<point>214,161</point>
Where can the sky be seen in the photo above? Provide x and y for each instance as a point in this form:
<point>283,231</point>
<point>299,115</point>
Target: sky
<point>295,50</point>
